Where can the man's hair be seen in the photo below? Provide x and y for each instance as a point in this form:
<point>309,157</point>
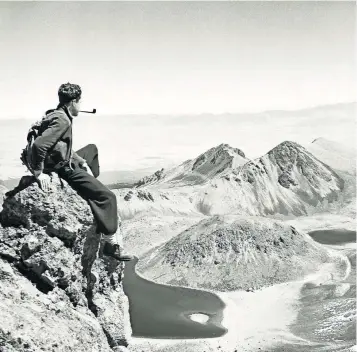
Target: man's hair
<point>68,92</point>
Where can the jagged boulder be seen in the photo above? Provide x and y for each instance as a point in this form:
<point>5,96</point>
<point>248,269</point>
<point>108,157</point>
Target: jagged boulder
<point>56,287</point>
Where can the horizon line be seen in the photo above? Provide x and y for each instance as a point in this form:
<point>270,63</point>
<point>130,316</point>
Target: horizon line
<point>311,107</point>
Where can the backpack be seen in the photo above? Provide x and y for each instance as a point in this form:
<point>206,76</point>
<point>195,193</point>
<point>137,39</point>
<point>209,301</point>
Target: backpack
<point>32,134</point>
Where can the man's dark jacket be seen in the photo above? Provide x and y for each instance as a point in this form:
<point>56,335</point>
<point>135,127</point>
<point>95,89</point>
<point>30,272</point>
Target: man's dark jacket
<point>54,144</point>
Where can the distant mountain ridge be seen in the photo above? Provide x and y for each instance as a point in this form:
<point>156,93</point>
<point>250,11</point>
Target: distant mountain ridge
<point>287,180</point>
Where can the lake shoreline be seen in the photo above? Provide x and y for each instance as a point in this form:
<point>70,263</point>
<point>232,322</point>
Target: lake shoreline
<point>250,317</point>
<point>165,311</point>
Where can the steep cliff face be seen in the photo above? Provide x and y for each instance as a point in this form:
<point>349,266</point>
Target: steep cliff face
<point>57,290</point>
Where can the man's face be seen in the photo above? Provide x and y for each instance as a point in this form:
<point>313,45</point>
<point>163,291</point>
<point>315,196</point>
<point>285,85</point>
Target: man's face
<point>75,107</point>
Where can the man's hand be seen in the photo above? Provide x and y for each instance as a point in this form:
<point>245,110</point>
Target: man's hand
<point>45,182</point>
<point>87,168</point>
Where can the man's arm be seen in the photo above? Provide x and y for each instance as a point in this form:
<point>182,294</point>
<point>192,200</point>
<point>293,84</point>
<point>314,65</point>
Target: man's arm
<point>49,137</point>
<point>80,160</point>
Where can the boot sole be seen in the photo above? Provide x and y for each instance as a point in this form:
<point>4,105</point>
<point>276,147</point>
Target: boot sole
<point>126,259</point>
<point>121,259</point>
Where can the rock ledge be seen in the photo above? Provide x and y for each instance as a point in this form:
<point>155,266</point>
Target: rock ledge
<point>57,291</point>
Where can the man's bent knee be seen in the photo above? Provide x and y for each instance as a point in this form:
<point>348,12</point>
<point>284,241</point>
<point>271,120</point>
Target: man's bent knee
<point>93,148</point>
<point>111,196</point>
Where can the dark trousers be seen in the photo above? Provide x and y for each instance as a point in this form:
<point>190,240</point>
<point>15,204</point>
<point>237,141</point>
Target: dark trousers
<point>101,200</point>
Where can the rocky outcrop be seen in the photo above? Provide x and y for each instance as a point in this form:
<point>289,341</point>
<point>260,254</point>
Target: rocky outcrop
<point>3,190</point>
<point>232,252</point>
<point>155,177</point>
<point>57,290</point>
<point>140,194</point>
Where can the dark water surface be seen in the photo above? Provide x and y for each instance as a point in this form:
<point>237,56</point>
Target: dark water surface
<point>160,311</point>
<point>327,314</point>
<point>333,236</point>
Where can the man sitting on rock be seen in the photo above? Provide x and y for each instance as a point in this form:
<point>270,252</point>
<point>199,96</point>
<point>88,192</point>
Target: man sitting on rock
<point>52,151</point>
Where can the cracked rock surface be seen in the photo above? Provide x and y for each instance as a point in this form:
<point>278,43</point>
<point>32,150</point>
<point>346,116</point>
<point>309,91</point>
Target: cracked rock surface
<point>57,291</point>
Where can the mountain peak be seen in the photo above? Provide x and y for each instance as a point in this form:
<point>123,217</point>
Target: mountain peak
<point>285,145</point>
<point>292,161</point>
<point>288,152</point>
<point>227,147</point>
<point>210,164</point>
<point>221,154</point>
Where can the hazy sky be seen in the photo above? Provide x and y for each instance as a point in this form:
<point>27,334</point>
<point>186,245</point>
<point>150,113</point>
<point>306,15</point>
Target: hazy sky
<point>177,57</point>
